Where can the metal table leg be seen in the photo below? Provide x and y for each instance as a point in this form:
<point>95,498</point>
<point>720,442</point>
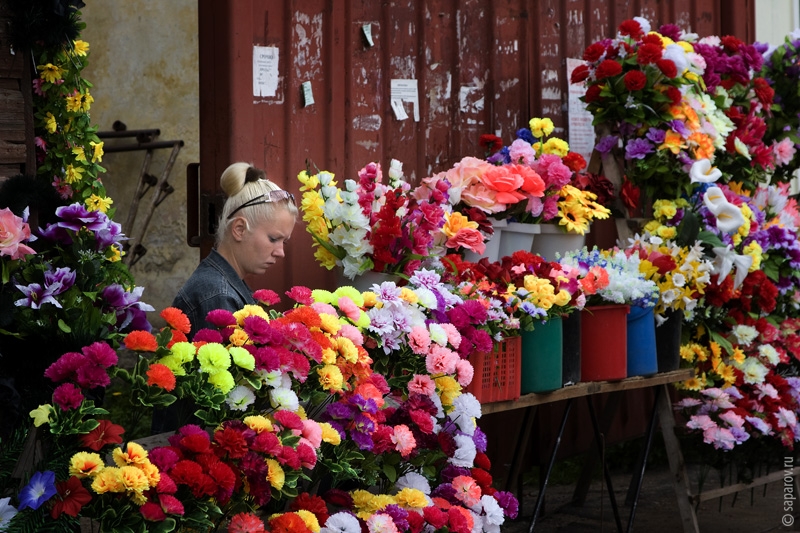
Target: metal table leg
<point>606,473</point>
<point>648,442</point>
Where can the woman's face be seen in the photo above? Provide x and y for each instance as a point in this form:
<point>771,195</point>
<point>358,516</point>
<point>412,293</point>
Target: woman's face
<point>262,245</point>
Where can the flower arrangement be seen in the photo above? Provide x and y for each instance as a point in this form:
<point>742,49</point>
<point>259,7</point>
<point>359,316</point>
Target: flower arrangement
<point>610,276</point>
<point>681,273</point>
<point>388,228</point>
<point>411,433</point>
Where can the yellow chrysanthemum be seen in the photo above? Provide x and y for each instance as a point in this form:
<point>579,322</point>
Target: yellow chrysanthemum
<point>85,464</point>
<point>693,384</point>
<point>238,337</point>
<point>409,498</point>
<point>330,378</point>
<point>726,373</point>
<point>73,174</point>
<point>258,423</point>
<point>80,48</point>
<point>541,127</point>
<point>213,357</point>
<point>223,381</point>
<point>329,434</point>
<point>242,358</point>
<point>50,73</point>
<point>99,203</point>
<point>555,146</point>
<point>275,474</point>
<point>250,310</point>
<point>97,151</point>
<point>738,356</point>
<point>108,480</point>
<point>50,123</point>
<point>754,250</point>
<point>329,323</point>
<point>309,519</point>
<point>133,454</point>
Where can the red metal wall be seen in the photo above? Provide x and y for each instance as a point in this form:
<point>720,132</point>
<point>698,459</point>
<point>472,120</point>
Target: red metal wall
<point>483,66</point>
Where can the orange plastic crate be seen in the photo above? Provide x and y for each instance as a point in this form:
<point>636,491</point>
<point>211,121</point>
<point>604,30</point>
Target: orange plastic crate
<point>497,373</point>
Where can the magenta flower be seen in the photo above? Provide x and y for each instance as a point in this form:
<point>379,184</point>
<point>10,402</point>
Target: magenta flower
<point>67,396</point>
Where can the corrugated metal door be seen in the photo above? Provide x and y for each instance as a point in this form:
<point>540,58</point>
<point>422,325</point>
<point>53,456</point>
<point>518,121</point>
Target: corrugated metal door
<point>481,66</point>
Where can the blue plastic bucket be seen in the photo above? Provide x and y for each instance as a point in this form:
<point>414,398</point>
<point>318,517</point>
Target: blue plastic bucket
<point>642,358</point>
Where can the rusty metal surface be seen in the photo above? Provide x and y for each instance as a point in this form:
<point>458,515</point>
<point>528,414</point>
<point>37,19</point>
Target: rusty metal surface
<point>482,66</point>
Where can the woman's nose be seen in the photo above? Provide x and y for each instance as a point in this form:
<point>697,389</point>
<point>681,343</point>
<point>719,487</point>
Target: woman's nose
<point>278,251</point>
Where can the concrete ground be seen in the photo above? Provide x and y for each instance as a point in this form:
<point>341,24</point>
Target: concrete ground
<point>758,511</point>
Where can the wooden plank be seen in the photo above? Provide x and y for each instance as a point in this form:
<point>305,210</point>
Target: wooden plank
<point>588,388</point>
<point>12,153</point>
<point>680,481</point>
<point>730,489</point>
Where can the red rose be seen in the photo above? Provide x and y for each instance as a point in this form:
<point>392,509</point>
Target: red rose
<point>594,52</point>
<point>608,68</point>
<point>631,28</point>
<point>579,74</point>
<point>667,67</point>
<point>649,53</point>
<point>592,94</point>
<point>635,80</point>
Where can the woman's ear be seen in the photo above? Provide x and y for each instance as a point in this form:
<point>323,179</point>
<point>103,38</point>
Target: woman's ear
<point>238,228</point>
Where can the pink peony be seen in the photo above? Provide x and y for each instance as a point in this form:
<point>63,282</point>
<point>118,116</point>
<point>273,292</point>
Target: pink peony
<point>14,230</point>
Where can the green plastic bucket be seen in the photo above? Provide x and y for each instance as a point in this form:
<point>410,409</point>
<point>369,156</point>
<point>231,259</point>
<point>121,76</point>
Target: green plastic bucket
<point>541,357</point>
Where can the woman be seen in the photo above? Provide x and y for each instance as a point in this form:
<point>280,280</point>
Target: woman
<point>257,219</point>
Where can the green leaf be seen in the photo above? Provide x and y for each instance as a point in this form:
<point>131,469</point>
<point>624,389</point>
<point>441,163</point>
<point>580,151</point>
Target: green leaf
<point>63,326</point>
<point>390,472</point>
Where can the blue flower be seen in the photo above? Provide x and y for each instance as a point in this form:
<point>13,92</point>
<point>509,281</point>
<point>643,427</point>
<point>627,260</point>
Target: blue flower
<point>39,489</point>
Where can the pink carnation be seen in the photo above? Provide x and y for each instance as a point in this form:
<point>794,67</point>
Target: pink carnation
<point>323,308</point>
<point>351,332</point>
<point>349,308</point>
<point>313,432</point>
<point>467,490</point>
<point>453,335</point>
<point>464,372</point>
<point>300,294</point>
<point>419,340</point>
<point>266,296</point>
<point>67,396</point>
<point>101,354</point>
<point>170,504</point>
<point>221,318</point>
<point>404,440</point>
<point>441,360</point>
<point>422,384</point>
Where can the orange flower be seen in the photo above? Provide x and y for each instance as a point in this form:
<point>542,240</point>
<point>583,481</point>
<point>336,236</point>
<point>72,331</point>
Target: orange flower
<point>141,341</point>
<point>176,319</point>
<point>303,315</point>
<point>177,336</point>
<point>161,376</point>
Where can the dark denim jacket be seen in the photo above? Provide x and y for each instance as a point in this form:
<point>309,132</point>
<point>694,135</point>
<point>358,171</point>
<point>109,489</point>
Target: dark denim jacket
<point>213,285</point>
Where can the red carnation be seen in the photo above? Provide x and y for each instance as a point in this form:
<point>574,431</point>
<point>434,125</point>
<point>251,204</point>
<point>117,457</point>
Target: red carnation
<point>631,28</point>
<point>674,94</point>
<point>592,94</point>
<point>482,461</point>
<point>652,38</point>
<point>288,523</point>
<point>481,477</point>
<point>176,319</point>
<point>288,419</point>
<point>731,44</point>
<point>594,52</point>
<point>267,297</point>
<point>312,504</point>
<point>649,53</point>
<point>667,67</point>
<point>232,442</point>
<point>435,517</point>
<point>608,68</point>
<point>246,523</point>
<point>339,498</point>
<point>152,512</point>
<point>635,80</point>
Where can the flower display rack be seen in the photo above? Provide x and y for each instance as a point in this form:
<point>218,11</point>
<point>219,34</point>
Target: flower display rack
<point>497,373</point>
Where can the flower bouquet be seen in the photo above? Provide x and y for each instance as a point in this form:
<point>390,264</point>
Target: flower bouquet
<point>370,225</point>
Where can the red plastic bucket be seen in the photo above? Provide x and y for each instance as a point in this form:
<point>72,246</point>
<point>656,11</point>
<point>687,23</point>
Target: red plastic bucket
<point>604,346</point>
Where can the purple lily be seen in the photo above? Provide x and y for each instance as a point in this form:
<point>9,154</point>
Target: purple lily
<point>36,295</point>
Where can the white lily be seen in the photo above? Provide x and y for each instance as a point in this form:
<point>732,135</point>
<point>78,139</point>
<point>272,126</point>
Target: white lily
<point>703,172</point>
<point>726,259</point>
<point>729,216</point>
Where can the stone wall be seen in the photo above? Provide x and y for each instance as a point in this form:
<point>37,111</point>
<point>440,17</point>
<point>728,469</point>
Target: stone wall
<point>144,66</point>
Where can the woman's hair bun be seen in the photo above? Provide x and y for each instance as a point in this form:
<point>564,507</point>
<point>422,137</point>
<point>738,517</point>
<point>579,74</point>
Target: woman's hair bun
<point>254,174</point>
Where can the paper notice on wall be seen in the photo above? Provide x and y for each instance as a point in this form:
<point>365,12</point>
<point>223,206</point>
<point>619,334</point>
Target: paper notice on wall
<point>265,71</point>
<point>581,132</point>
<point>405,91</point>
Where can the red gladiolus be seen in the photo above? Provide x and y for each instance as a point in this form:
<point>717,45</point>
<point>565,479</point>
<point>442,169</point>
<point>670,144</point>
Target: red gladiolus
<point>635,80</point>
<point>105,433</point>
<point>72,496</point>
<point>630,195</point>
<point>608,68</point>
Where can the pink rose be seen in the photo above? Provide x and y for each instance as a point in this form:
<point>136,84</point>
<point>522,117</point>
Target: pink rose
<point>480,196</point>
<point>468,238</point>
<point>505,183</point>
<point>14,230</point>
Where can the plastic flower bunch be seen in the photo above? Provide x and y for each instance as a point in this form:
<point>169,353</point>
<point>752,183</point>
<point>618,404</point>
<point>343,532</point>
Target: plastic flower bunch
<point>609,277</point>
<point>74,288</point>
<point>738,392</point>
<point>780,70</point>
<point>68,150</point>
<point>681,273</point>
